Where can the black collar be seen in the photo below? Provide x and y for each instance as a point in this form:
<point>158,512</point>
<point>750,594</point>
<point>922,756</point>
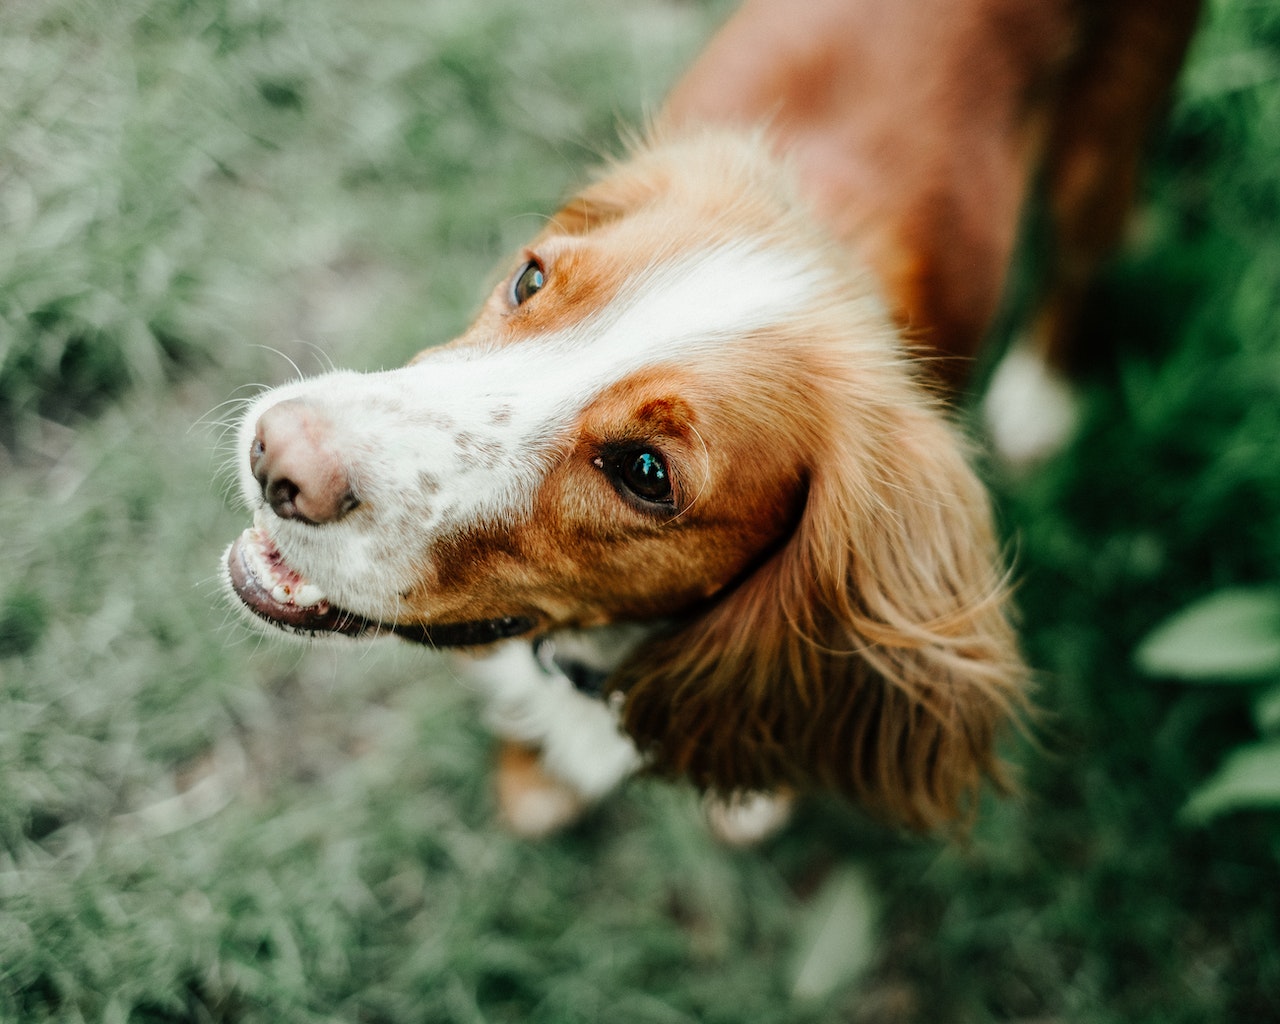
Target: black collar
<point>465,634</point>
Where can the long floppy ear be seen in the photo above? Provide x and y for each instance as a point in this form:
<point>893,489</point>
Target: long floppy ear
<point>872,654</point>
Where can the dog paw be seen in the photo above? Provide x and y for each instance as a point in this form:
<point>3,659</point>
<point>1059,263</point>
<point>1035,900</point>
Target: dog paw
<point>745,819</point>
<point>1030,409</point>
<point>531,802</point>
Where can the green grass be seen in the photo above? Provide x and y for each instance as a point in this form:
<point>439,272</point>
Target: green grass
<point>198,824</point>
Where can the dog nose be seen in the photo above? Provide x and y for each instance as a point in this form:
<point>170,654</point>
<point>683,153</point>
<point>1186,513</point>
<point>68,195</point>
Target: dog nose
<point>294,460</point>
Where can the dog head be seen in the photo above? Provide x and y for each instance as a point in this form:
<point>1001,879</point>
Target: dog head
<point>680,406</point>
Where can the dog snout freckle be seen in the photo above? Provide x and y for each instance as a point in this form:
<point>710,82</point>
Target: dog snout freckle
<point>298,465</point>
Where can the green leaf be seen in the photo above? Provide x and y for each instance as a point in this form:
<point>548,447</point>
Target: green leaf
<point>1266,711</point>
<point>839,936</point>
<point>1230,636</point>
<point>1250,777</point>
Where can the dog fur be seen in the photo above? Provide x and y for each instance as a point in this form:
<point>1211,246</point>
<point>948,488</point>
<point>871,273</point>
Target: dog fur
<point>685,495</point>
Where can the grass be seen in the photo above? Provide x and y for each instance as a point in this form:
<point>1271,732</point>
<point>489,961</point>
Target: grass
<point>200,825</point>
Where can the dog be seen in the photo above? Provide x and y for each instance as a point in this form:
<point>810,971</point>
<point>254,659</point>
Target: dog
<point>686,495</point>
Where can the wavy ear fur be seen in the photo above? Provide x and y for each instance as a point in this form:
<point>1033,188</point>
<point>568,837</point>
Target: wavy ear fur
<point>871,654</point>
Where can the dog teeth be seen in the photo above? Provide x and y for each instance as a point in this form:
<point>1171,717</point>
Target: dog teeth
<point>285,585</point>
<point>308,596</point>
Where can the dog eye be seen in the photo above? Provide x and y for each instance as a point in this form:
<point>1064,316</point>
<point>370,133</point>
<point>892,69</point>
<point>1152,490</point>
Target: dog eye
<point>528,282</point>
<point>644,474</point>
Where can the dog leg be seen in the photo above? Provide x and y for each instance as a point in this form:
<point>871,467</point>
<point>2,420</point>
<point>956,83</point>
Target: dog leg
<point>1109,99</point>
<point>532,802</point>
<point>564,750</point>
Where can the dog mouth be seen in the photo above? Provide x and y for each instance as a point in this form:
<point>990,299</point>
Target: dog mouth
<point>280,595</point>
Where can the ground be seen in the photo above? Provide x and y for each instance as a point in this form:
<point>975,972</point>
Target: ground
<point>199,824</point>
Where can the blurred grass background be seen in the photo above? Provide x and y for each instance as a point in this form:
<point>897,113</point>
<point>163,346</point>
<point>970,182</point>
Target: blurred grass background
<point>197,824</point>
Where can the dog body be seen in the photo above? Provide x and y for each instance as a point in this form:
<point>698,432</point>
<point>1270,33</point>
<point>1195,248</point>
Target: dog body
<point>921,131</point>
<point>680,493</point>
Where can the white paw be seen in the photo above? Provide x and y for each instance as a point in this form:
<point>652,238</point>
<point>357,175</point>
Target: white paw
<point>1030,409</point>
<point>745,819</point>
<point>542,811</point>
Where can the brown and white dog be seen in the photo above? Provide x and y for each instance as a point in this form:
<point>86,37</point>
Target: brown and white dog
<point>681,493</point>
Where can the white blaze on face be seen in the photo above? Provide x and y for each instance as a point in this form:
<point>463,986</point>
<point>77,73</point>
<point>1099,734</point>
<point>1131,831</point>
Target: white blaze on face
<point>539,385</point>
<point>466,434</point>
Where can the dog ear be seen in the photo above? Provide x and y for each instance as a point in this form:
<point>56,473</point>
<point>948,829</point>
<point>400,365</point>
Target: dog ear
<point>872,654</point>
